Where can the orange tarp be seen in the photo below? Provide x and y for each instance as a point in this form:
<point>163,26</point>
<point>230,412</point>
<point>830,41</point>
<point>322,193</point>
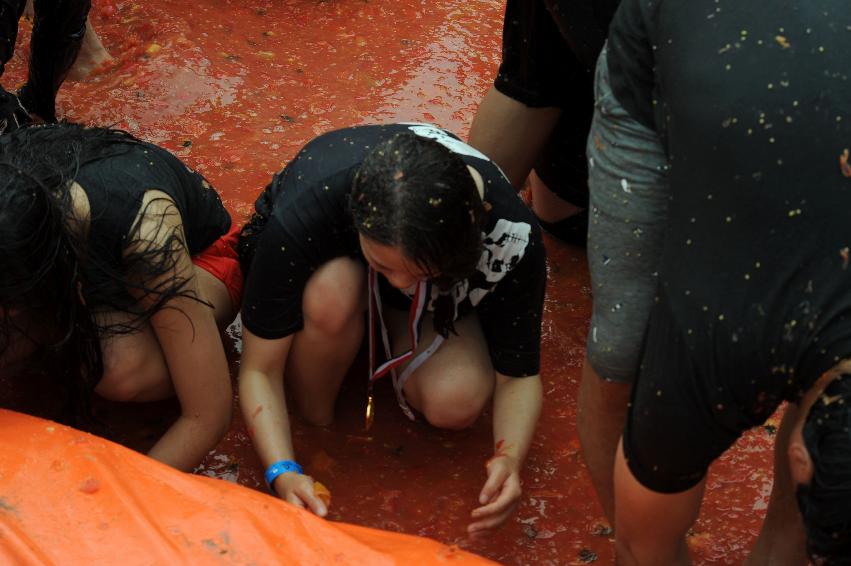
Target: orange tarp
<point>67,497</point>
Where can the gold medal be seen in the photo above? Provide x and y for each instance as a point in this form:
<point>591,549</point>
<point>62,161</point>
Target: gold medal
<point>370,411</point>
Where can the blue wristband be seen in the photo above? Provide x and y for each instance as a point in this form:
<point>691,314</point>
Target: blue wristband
<point>278,468</point>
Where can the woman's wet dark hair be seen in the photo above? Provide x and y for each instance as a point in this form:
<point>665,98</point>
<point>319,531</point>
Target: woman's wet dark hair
<point>825,503</point>
<point>45,297</point>
<point>413,193</point>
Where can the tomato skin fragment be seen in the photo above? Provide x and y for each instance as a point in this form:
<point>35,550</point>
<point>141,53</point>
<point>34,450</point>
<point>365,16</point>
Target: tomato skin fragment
<point>90,486</point>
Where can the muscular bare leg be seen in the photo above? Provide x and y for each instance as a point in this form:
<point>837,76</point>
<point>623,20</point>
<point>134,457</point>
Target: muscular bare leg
<point>650,527</point>
<point>511,133</point>
<point>601,414</point>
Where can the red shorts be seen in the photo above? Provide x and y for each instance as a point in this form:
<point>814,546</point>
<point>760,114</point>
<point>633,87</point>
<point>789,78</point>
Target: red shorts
<point>222,262</point>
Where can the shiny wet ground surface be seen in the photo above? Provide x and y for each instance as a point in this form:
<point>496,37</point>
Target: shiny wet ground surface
<point>234,89</point>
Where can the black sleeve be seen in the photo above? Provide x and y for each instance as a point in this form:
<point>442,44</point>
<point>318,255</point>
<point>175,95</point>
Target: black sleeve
<point>275,284</point>
<point>308,225</point>
<point>583,24</point>
<point>510,316</point>
<point>630,60</point>
<point>538,66</point>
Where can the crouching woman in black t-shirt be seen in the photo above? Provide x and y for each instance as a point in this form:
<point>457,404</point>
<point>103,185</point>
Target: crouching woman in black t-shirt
<point>425,233</point>
<point>116,269</point>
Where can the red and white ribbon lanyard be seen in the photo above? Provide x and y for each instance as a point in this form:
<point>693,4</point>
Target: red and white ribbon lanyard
<point>418,307</point>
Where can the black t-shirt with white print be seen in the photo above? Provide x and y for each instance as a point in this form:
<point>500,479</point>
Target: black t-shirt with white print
<point>310,224</point>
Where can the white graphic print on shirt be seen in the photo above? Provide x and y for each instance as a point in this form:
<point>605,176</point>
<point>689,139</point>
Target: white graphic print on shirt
<point>505,246</point>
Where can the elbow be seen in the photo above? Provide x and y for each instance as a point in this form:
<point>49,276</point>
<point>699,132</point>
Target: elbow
<point>216,420</point>
<point>223,418</point>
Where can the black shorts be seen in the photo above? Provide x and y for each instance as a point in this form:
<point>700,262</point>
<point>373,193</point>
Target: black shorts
<point>692,400</point>
<point>540,69</point>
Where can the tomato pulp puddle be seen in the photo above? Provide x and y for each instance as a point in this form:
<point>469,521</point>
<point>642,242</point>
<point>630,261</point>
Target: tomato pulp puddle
<point>235,89</point>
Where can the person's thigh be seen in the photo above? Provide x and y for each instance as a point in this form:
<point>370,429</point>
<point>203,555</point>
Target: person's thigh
<point>453,385</point>
<point>333,304</point>
<point>135,368</point>
<point>216,293</point>
<point>684,411</point>
<point>627,168</point>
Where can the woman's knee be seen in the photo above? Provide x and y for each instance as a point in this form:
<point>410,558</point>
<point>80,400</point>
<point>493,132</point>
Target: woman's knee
<point>133,372</point>
<point>334,295</point>
<point>455,404</point>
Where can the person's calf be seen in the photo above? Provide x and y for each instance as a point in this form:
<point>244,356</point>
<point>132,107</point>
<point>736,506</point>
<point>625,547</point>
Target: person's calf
<point>601,414</point>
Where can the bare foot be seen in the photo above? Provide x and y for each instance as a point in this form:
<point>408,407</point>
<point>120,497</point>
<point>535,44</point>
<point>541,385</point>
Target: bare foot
<point>92,55</point>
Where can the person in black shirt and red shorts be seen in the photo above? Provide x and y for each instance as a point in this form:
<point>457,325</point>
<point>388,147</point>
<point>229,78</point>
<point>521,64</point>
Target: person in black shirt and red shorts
<point>426,235</point>
<point>119,270</point>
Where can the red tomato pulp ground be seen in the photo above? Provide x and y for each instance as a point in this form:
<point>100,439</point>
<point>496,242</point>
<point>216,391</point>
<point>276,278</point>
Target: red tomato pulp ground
<point>235,89</point>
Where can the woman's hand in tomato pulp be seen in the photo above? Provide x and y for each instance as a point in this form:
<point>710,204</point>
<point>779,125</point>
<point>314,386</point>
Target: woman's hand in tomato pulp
<point>298,489</point>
